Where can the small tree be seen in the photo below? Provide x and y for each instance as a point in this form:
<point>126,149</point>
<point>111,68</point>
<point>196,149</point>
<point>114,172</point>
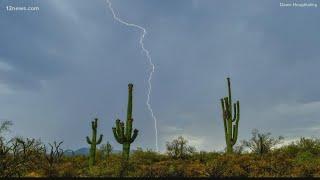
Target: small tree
<point>53,158</point>
<point>261,143</point>
<point>4,127</point>
<point>4,146</point>
<point>18,155</point>
<point>179,148</point>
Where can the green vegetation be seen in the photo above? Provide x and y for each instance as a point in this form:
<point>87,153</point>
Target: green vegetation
<point>231,123</point>
<point>93,142</point>
<point>260,156</point>
<point>298,159</point>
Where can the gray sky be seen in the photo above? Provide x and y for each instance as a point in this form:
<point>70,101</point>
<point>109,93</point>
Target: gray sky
<point>70,62</point>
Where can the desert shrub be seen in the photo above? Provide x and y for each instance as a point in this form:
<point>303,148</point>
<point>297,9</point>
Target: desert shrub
<point>229,165</point>
<point>53,157</point>
<point>195,169</point>
<point>176,168</point>
<point>311,145</point>
<point>204,156</point>
<point>306,170</point>
<point>280,164</point>
<point>260,167</point>
<point>66,169</point>
<point>171,168</point>
<point>270,165</point>
<point>159,169</point>
<point>303,157</point>
<point>261,143</point>
<point>306,164</point>
<point>71,166</point>
<point>19,156</point>
<point>146,157</point>
<point>142,161</point>
<point>113,165</point>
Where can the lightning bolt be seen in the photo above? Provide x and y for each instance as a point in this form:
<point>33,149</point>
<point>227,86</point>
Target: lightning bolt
<point>147,53</point>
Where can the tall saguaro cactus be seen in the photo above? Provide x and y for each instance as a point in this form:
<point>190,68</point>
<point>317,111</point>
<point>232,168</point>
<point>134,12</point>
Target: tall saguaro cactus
<point>93,142</point>
<point>231,123</point>
<point>123,132</point>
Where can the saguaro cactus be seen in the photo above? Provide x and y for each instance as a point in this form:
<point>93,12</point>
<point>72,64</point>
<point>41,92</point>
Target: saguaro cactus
<point>108,150</point>
<point>123,132</point>
<point>231,123</point>
<point>93,142</point>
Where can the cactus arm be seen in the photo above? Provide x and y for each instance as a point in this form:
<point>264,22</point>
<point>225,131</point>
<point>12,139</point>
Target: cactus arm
<point>116,136</point>
<point>88,140</point>
<point>227,112</point>
<point>223,108</point>
<point>134,136</point>
<point>235,134</point>
<point>226,102</point>
<point>235,127</point>
<point>234,112</point>
<point>100,139</point>
<point>224,117</point>
<point>238,111</point>
<point>118,128</point>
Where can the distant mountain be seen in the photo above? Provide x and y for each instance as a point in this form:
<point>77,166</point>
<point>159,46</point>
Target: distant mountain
<point>68,152</point>
<point>82,151</point>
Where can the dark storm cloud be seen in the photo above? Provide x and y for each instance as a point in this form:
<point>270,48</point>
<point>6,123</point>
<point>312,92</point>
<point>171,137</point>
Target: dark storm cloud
<point>70,62</point>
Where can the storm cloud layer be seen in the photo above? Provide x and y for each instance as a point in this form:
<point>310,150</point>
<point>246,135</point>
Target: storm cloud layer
<point>70,62</point>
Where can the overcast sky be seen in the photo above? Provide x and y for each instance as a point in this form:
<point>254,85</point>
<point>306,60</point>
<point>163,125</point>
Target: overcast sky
<point>70,62</point>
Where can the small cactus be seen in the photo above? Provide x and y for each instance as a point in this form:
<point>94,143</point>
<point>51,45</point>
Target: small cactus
<point>108,150</point>
<point>93,142</point>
